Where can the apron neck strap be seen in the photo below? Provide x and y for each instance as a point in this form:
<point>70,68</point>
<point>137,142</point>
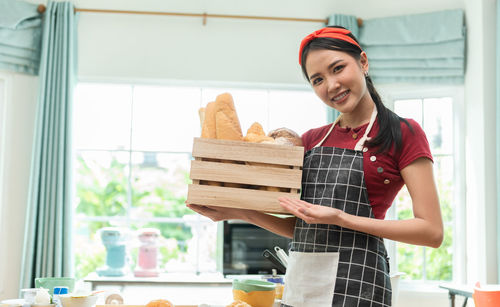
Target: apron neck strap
<point>362,140</point>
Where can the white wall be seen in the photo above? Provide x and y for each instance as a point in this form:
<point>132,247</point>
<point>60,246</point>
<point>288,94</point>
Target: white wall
<point>480,97</point>
<point>159,48</point>
<point>18,121</point>
<point>165,47</point>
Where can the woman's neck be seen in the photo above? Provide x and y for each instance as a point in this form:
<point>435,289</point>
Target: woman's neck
<point>360,116</point>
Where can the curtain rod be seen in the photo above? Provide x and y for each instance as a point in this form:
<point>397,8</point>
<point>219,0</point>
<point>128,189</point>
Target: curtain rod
<point>41,9</point>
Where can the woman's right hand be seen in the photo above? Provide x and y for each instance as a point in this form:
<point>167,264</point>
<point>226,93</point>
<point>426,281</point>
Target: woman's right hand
<point>217,214</point>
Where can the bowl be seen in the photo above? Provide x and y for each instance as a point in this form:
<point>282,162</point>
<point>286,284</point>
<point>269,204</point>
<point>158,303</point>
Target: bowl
<point>68,300</point>
<point>29,295</point>
<point>257,293</point>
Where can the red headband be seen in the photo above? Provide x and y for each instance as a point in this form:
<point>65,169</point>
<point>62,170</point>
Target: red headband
<point>337,33</point>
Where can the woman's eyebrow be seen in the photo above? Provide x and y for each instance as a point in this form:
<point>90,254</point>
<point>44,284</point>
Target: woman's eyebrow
<point>329,67</point>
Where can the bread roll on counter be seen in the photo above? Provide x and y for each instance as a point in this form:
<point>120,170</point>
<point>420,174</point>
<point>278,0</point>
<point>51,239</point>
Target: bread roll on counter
<point>238,303</point>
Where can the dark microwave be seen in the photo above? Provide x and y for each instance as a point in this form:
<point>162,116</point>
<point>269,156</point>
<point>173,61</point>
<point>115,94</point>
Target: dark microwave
<point>243,245</point>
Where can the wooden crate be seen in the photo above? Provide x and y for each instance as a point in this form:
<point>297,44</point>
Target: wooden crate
<point>239,174</point>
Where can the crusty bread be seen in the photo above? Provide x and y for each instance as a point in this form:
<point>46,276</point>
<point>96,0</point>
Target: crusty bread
<point>283,141</point>
<point>256,128</point>
<point>286,133</point>
<point>257,138</point>
<point>208,127</point>
<point>225,128</point>
<point>160,303</point>
<point>227,123</point>
<point>201,113</point>
<point>239,303</point>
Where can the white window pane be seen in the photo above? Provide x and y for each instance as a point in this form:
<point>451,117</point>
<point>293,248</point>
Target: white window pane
<point>159,183</point>
<point>438,124</point>
<point>90,253</point>
<point>165,118</point>
<point>251,105</point>
<point>102,116</point>
<point>101,183</point>
<point>296,110</point>
<point>409,108</point>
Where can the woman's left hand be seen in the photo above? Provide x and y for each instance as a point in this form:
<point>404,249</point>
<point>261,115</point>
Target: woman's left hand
<point>311,214</point>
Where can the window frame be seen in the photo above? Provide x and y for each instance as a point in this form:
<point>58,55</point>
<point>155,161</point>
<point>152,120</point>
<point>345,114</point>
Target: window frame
<point>175,83</point>
<point>456,92</point>
<point>5,96</point>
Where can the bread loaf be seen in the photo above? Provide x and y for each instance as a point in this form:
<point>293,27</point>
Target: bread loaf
<point>160,303</point>
<point>283,141</point>
<point>286,133</point>
<point>256,128</point>
<point>239,303</point>
<point>201,114</point>
<point>226,129</point>
<point>257,138</point>
<point>208,127</point>
<point>227,122</point>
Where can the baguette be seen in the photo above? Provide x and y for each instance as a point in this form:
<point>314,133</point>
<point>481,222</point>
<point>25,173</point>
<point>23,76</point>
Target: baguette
<point>227,122</point>
<point>208,127</point>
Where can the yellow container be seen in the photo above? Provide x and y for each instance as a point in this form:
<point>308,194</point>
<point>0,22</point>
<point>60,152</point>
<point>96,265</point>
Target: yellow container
<point>279,291</point>
<point>257,293</point>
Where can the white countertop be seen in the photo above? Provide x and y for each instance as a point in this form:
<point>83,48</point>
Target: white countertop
<point>180,288</point>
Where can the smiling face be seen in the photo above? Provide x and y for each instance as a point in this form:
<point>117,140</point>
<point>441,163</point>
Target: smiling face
<point>338,79</point>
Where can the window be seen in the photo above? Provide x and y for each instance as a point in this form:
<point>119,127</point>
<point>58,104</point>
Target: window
<point>439,115</point>
<point>132,147</point>
<point>3,99</point>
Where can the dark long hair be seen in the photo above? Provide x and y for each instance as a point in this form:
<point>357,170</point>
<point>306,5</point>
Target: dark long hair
<point>389,132</point>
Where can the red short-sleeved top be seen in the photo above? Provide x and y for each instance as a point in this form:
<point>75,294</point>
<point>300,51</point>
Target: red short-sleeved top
<point>382,171</point>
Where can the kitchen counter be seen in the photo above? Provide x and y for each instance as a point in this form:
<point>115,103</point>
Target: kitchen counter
<point>185,289</point>
<point>170,278</point>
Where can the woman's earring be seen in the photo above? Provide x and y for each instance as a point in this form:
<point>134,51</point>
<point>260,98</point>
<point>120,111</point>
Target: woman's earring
<point>366,73</point>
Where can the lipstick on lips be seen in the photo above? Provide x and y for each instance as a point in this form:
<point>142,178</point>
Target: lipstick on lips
<point>341,97</point>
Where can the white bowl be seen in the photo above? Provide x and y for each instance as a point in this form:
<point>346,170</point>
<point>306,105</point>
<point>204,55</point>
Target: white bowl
<point>78,301</point>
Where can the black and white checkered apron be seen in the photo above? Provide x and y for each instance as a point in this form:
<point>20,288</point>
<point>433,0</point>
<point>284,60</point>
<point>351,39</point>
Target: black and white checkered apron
<point>334,177</point>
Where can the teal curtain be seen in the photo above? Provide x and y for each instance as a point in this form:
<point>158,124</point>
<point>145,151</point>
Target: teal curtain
<point>416,48</point>
<point>347,21</point>
<point>47,248</point>
<point>20,36</point>
<point>351,23</point>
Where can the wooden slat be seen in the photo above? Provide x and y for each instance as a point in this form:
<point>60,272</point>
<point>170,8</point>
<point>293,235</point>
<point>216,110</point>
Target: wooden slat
<point>246,174</point>
<point>237,198</point>
<point>251,152</point>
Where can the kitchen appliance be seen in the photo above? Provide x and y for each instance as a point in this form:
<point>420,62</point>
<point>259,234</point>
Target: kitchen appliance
<point>243,248</point>
<point>114,240</point>
<point>280,267</point>
<point>147,257</point>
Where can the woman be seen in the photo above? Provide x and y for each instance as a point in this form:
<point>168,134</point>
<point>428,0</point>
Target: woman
<point>352,171</point>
